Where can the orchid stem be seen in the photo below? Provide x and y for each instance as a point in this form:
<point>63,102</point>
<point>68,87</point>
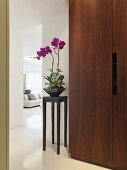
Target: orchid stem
<point>58,61</point>
<point>52,62</point>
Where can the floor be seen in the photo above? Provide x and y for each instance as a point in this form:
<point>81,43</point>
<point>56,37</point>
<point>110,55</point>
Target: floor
<point>26,148</point>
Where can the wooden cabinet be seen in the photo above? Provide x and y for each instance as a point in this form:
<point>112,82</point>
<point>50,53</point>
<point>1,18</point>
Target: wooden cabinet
<point>120,100</point>
<point>98,119</point>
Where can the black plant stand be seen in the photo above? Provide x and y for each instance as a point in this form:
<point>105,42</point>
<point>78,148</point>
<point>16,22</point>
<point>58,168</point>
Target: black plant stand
<point>53,100</point>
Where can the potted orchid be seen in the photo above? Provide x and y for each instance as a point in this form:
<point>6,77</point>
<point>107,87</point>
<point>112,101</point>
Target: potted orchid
<point>55,80</point>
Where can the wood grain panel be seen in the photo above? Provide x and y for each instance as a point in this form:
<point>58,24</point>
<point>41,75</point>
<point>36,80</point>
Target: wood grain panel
<point>120,101</point>
<point>90,80</point>
<point>4,122</point>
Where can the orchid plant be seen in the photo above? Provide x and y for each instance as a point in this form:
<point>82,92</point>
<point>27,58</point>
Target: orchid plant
<point>55,79</point>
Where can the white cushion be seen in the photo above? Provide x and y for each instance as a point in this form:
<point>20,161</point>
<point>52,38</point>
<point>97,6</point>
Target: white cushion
<point>37,96</point>
<point>32,103</point>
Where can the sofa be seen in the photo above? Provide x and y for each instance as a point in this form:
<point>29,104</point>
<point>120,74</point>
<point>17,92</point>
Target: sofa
<point>32,100</point>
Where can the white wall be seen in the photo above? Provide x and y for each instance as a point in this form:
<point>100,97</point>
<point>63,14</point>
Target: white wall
<point>34,82</point>
<point>29,67</point>
<point>32,41</point>
<point>24,82</point>
<point>64,59</point>
<point>16,82</point>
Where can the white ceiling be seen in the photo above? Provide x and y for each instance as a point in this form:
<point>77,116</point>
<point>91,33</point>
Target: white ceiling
<point>30,34</point>
<point>28,13</point>
<point>27,16</point>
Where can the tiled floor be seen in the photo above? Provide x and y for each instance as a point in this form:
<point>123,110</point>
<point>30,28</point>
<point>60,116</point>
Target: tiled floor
<point>26,151</point>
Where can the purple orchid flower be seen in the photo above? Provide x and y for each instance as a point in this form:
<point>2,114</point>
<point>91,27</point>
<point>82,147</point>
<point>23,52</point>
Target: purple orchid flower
<point>58,43</point>
<point>44,52</point>
<point>39,53</point>
<point>38,57</point>
<point>57,46</point>
<point>55,42</point>
<point>48,49</point>
<point>61,47</point>
<point>62,43</point>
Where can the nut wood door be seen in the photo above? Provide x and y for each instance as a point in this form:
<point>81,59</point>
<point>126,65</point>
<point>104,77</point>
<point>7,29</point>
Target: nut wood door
<point>120,100</point>
<point>91,81</point>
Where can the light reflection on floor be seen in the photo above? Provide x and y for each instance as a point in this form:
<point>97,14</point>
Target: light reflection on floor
<point>26,148</point>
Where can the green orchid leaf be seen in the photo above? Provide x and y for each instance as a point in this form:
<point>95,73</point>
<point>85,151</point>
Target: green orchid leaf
<point>61,77</point>
<point>55,79</point>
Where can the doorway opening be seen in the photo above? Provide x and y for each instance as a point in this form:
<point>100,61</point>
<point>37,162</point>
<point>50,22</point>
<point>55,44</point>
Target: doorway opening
<point>33,24</point>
